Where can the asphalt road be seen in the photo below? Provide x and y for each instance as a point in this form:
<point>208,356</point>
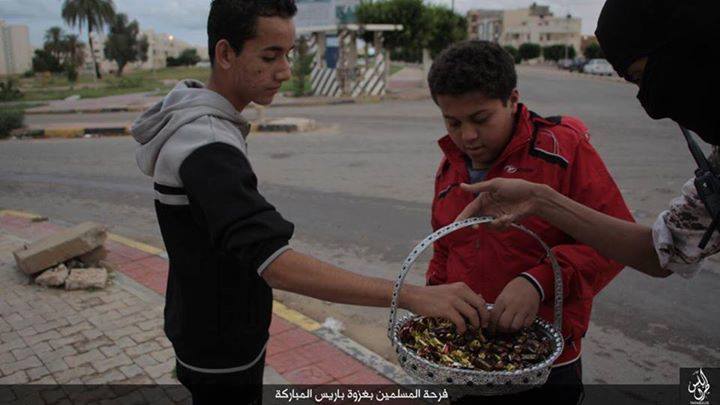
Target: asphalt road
<point>359,192</point>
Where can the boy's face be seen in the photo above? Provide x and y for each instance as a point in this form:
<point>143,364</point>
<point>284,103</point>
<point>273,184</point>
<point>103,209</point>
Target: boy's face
<point>262,66</point>
<point>481,127</point>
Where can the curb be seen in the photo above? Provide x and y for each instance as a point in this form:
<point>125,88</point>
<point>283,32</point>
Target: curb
<point>348,346</point>
<point>138,109</point>
<point>82,132</point>
<point>71,132</point>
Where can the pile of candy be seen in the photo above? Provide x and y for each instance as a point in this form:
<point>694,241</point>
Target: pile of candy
<point>436,340</point>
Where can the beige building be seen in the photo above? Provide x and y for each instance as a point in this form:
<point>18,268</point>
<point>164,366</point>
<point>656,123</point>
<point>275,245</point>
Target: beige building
<point>15,50</point>
<point>535,24</point>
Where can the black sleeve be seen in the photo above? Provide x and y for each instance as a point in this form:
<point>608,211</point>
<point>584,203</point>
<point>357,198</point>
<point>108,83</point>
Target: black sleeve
<point>222,187</point>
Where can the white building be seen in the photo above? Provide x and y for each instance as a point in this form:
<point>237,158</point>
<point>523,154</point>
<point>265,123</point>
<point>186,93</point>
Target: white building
<point>15,50</point>
<point>534,24</point>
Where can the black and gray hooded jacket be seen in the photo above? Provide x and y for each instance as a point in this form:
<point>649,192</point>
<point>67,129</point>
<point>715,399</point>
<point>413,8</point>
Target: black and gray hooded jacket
<point>219,232</point>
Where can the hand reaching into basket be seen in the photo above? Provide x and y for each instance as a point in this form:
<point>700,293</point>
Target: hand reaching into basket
<point>508,200</point>
<point>515,308</point>
<point>455,302</point>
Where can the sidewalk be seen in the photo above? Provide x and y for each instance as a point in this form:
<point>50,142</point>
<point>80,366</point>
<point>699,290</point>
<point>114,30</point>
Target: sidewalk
<point>115,335</point>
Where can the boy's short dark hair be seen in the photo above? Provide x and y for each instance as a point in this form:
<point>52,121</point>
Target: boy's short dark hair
<point>473,66</point>
<point>236,20</point>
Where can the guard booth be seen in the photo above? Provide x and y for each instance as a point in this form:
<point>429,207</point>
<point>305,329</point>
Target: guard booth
<point>336,71</point>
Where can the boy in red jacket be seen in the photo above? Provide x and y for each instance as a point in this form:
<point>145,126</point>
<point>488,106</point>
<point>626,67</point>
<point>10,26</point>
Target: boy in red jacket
<point>491,134</point>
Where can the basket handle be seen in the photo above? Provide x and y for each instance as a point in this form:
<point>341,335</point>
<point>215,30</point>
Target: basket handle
<point>440,233</point>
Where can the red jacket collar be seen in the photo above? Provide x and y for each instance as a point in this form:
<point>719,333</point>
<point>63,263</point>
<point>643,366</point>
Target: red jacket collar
<point>523,133</point>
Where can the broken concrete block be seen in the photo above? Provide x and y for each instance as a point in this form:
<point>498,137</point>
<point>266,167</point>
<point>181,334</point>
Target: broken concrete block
<point>94,257</point>
<point>60,247</point>
<point>53,277</point>
<point>80,279</point>
<point>289,124</point>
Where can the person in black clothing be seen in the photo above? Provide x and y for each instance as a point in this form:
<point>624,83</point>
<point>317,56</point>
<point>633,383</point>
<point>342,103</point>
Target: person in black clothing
<point>227,245</point>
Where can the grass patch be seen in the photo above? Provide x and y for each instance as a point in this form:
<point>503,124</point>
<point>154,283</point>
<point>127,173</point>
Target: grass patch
<point>57,87</point>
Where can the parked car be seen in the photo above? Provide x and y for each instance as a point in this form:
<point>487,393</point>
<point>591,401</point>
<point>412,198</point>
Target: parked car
<point>565,64</point>
<point>577,65</point>
<point>599,67</point>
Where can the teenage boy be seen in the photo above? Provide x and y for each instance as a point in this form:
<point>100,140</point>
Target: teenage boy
<point>228,246</point>
<point>492,135</point>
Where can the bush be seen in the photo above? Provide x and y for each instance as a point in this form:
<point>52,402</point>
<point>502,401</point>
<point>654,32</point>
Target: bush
<point>593,51</point>
<point>529,51</point>
<point>9,90</point>
<point>126,83</point>
<point>9,120</point>
<point>513,52</point>
<point>556,52</point>
<point>44,61</point>
<point>28,74</point>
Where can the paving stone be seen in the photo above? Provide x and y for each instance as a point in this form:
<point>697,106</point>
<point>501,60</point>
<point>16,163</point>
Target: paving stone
<point>88,357</point>
<point>17,378</point>
<point>160,369</point>
<point>112,376</point>
<point>143,337</point>
<point>112,362</point>
<point>164,355</point>
<point>22,354</point>
<point>73,375</point>
<point>42,337</point>
<point>87,345</point>
<point>75,328</point>
<point>131,370</point>
<point>145,361</point>
<point>37,373</point>
<point>44,327</point>
<point>66,341</point>
<point>30,362</point>
<point>142,349</point>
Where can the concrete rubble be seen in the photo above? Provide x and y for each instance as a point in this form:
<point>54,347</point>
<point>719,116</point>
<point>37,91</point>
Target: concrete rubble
<point>60,247</point>
<point>53,277</point>
<point>81,279</point>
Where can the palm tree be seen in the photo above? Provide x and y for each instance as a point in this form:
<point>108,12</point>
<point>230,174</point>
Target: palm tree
<point>74,50</point>
<point>95,13</point>
<point>53,41</point>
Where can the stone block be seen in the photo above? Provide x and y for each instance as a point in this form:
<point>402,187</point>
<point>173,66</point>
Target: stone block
<point>60,247</point>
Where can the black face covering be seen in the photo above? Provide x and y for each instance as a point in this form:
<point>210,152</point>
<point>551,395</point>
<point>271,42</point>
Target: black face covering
<point>681,85</point>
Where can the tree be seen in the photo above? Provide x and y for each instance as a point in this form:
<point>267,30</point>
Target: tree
<point>412,14</point>
<point>124,44</point>
<point>74,51</point>
<point>302,66</point>
<point>188,57</point>
<point>557,52</point>
<point>93,13</point>
<point>593,51</point>
<point>529,51</point>
<point>54,41</point>
<point>44,61</point>
<point>447,28</point>
<point>513,52</point>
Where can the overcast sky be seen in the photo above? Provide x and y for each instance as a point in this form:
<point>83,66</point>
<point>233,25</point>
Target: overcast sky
<point>186,19</point>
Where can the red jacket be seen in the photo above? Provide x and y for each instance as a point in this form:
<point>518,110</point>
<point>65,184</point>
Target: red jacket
<point>553,151</point>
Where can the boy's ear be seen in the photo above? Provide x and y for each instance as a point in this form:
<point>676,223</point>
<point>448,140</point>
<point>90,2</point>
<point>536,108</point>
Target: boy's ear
<point>224,54</point>
<point>514,100</point>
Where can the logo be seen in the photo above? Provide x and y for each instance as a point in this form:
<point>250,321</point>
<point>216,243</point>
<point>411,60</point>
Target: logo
<point>699,388</point>
<point>511,169</point>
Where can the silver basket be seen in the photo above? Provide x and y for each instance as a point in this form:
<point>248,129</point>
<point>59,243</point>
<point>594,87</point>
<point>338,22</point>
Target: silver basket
<point>477,382</point>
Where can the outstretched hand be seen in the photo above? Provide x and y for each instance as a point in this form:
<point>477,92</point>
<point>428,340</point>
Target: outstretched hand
<point>508,200</point>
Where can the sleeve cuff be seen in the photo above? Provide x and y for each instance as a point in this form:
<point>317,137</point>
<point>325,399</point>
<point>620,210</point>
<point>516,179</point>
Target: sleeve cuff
<point>535,283</point>
<point>272,258</point>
